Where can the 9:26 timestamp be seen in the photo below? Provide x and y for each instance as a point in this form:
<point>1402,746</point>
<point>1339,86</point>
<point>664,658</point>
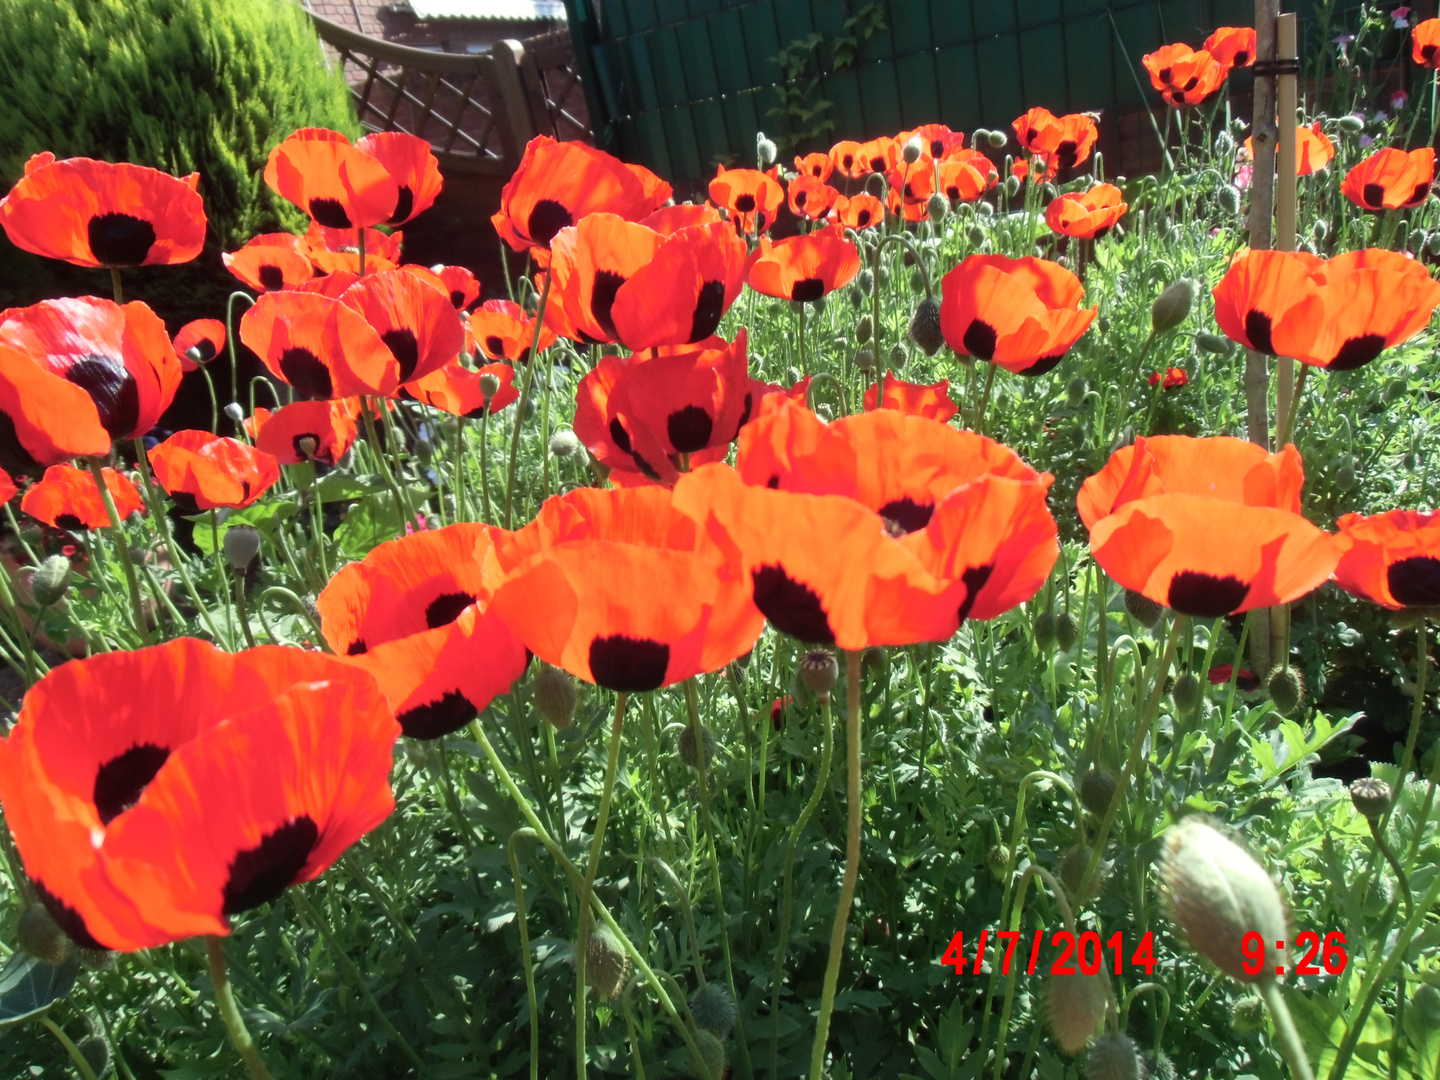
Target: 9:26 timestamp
<point>1332,955</point>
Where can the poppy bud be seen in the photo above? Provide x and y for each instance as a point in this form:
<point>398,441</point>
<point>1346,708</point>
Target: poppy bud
<point>241,545</point>
<point>1097,789</point>
<point>1218,893</point>
<point>883,276</point>
<point>564,443</point>
<point>1142,609</point>
<point>1417,240</point>
<point>713,1060</point>
<point>1371,796</point>
<point>1434,243</point>
<point>1045,632</point>
<point>819,671</point>
<point>1113,1057</point>
<point>1426,1003</point>
<point>1247,1015</point>
<point>1012,185</point>
<point>897,357</point>
<point>194,355</point>
<point>607,965</point>
<point>685,745</point>
<point>925,326</point>
<point>1345,475</point>
<point>997,139</point>
<point>998,859</point>
<point>765,150</point>
<point>865,280</point>
<point>1172,306</point>
<point>235,412</point>
<point>713,1010</point>
<point>1050,191</point>
<point>1072,873</point>
<point>1067,631</point>
<point>1229,197</point>
<point>985,209</point>
<point>1075,1005</point>
<point>976,235</point>
<point>1394,391</point>
<point>917,282</point>
<point>1320,230</point>
<point>875,660</point>
<point>96,1052</point>
<point>863,329</point>
<point>40,936</point>
<point>864,360</point>
<point>555,696</point>
<point>857,298</point>
<point>1286,689</point>
<point>1350,124</point>
<point>1075,391</point>
<point>911,150</point>
<point>1159,1067</point>
<point>1212,343</point>
<point>489,385</point>
<point>51,580</point>
<point>875,185</point>
<point>937,207</point>
<point>1185,693</point>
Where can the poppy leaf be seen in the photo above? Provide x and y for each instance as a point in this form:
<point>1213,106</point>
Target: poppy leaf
<point>29,986</point>
<point>263,516</point>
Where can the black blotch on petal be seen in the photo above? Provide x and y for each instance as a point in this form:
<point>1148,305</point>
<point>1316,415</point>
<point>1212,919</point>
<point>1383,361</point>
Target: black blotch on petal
<point>907,513</point>
<point>403,205</point>
<point>807,289</point>
<point>406,350</point>
<point>980,339</point>
<point>271,277</point>
<point>66,917</point>
<point>547,217</point>
<point>1241,59</point>
<point>744,415</point>
<point>120,781</point>
<point>330,213</point>
<point>457,299</point>
<point>1043,365</point>
<point>120,239</point>
<point>1427,53</point>
<point>305,371</point>
<point>357,648</point>
<point>1373,196</point>
<point>495,346</point>
<point>439,717</point>
<point>791,607</point>
<point>1357,352</point>
<point>1165,74</point>
<point>745,203</point>
<point>69,522</point>
<point>689,429</point>
<point>1415,582</point>
<point>1066,153</point>
<point>1207,596</point>
<point>1422,191</point>
<point>14,458</point>
<point>628,665</point>
<point>260,874</point>
<point>1257,329</point>
<point>974,579</point>
<point>709,307</point>
<point>602,298</point>
<point>446,608</point>
<point>113,389</point>
<point>862,218</point>
<point>620,436</point>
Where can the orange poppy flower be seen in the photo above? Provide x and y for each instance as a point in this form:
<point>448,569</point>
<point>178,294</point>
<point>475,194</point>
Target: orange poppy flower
<point>338,185</point>
<point>68,498</point>
<point>411,164</point>
<point>858,211</point>
<point>879,155</point>
<point>1184,76</point>
<point>118,354</point>
<point>966,175</point>
<point>810,197</point>
<point>271,261</point>
<point>331,285</point>
<point>502,330</point>
<point>937,142</point>
<point>917,399</point>
<point>1313,149</point>
<point>154,794</point>
<point>1391,179</point>
<point>590,262</point>
<point>671,219</point>
<point>416,321</point>
<point>8,490</point>
<point>322,347</point>
<point>908,191</point>
<point>818,166</point>
<point>456,390</point>
<point>1023,314</point>
<point>210,471</point>
<point>1425,43</point>
<point>845,159</point>
<point>751,197</point>
<point>766,397</point>
<point>1086,215</point>
<point>1172,377</point>
<point>1391,559</point>
<point>1062,141</point>
<point>559,183</point>
<point>622,590</point>
<point>332,251</point>
<point>1219,467</point>
<point>681,294</point>
<point>458,284</point>
<point>1232,46</point>
<point>44,418</point>
<point>306,431</point>
<point>417,611</point>
<point>803,267</point>
<point>205,336</point>
<point>95,213</point>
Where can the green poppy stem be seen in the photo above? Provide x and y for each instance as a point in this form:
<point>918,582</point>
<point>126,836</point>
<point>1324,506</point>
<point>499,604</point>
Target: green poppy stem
<point>984,406</point>
<point>230,1011</point>
<point>122,551</point>
<point>1287,1038</point>
<point>115,285</point>
<point>522,923</point>
<point>240,612</point>
<point>531,361</point>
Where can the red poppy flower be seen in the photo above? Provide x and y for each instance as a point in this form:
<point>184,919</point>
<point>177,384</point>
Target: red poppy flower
<point>322,347</point>
<point>1425,43</point>
<point>333,251</point>
<point>590,263</point>
<point>1020,169</point>
<point>271,261</point>
<point>1247,682</point>
<point>8,490</point>
<point>846,160</point>
<point>917,399</point>
<point>411,164</point>
<point>1232,46</point>
<point>681,294</point>
<point>455,389</point>
<point>1062,141</point>
<point>306,431</point>
<point>338,185</point>
<point>1023,314</point>
<point>213,471</point>
<point>455,282</point>
<point>559,183</point>
<point>95,213</point>
<point>879,155</point>
<point>118,354</point>
<point>937,142</point>
<point>154,794</point>
<point>803,267</point>
<point>44,418</point>
<point>777,711</point>
<point>205,336</point>
<point>909,189</point>
<point>1219,467</point>
<point>818,166</point>
<point>671,219</point>
<point>751,197</point>
<point>1391,559</point>
<point>416,614</point>
<point>810,197</point>
<point>331,285</point>
<point>1184,76</point>
<point>858,211</point>
<point>68,498</point>
<point>1391,179</point>
<point>966,175</point>
<point>645,416</point>
<point>622,590</point>
<point>1173,378</point>
<point>416,321</point>
<point>501,330</point>
<point>1086,215</point>
<point>1313,149</point>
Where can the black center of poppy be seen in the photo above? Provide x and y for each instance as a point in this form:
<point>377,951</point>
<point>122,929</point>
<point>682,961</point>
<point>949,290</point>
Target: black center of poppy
<point>709,307</point>
<point>120,239</point>
<point>260,874</point>
<point>877,164</point>
<point>937,147</point>
<point>1209,596</point>
<point>1042,365</point>
<point>1427,52</point>
<point>1241,58</point>
<point>330,213</point>
<point>357,648</point>
<point>446,608</point>
<point>862,218</point>
<point>908,514</point>
<point>304,371</point>
<point>1421,191</point>
<point>457,299</point>
<point>806,289</point>
<point>689,429</point>
<point>1415,582</point>
<point>1358,351</point>
<point>1178,97</point>
<point>628,665</point>
<point>744,416</point>
<point>271,277</point>
<point>791,607</point>
<point>66,917</point>
<point>1373,196</point>
<point>403,205</point>
<point>547,218</point>
<point>1066,153</point>
<point>406,350</point>
<point>847,161</point>
<point>1101,232</point>
<point>69,522</point>
<point>745,203</point>
<point>979,339</point>
<point>1257,329</point>
<point>800,197</point>
<point>621,438</point>
<point>445,714</point>
<point>1165,74</point>
<point>119,782</point>
<point>602,299</point>
<point>113,389</point>
<point>1192,82</point>
<point>495,345</point>
<point>974,579</point>
<point>14,458</point>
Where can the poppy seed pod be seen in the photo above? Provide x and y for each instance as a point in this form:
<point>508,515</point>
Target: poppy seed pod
<point>911,151</point>
<point>1113,1057</point>
<point>1144,610</point>
<point>1067,631</point>
<point>1286,689</point>
<point>685,745</point>
<point>1248,1015</point>
<point>864,360</point>
<point>863,330</point>
<point>40,936</point>
<point>51,580</point>
<point>1186,692</point>
<point>925,326</point>
<point>489,385</point>
<point>555,696</point>
<point>607,965</point>
<point>235,412</point>
<point>713,1060</point>
<point>1371,796</point>
<point>1218,893</point>
<point>937,207</point>
<point>564,444</point>
<point>713,1010</point>
<point>1097,789</point>
<point>1172,306</point>
<point>820,672</point>
<point>1075,1005</point>
<point>241,545</point>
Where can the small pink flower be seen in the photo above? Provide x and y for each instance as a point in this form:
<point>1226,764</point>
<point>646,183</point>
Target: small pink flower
<point>1243,176</point>
<point>1401,17</point>
<point>1397,100</point>
<point>410,528</point>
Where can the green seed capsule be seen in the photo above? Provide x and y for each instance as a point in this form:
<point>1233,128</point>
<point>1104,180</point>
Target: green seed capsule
<point>862,330</point>
<point>1212,343</point>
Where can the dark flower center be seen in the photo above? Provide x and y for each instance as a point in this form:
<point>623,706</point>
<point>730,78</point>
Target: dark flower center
<point>1373,196</point>
<point>602,299</point>
<point>1415,582</point>
<point>260,874</point>
<point>745,203</point>
<point>974,579</point>
<point>980,339</point>
<point>709,307</point>
<point>271,277</point>
<point>1358,351</point>
<point>330,213</point>
<point>1209,596</point>
<point>807,289</point>
<point>495,345</point>
<point>113,389</point>
<point>69,522</point>
<point>120,239</point>
<point>689,429</point>
<point>791,607</point>
<point>403,205</point>
<point>446,608</point>
<point>450,712</point>
<point>305,371</point>
<point>406,350</point>
<point>547,217</point>
<point>1257,329</point>
<point>628,665</point>
<point>862,218</point>
<point>120,781</point>
<point>907,514</point>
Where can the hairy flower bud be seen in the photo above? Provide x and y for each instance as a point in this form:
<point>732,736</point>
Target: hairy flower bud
<point>1012,185</point>
<point>1045,632</point>
<point>1212,343</point>
<point>40,936</point>
<point>1075,391</point>
<point>51,580</point>
<point>1247,1015</point>
<point>685,745</point>
<point>1229,198</point>
<point>1074,1006</point>
<point>713,1010</point>
<point>564,444</point>
<point>863,330</point>
<point>997,139</point>
<point>925,326</point>
<point>1172,306</point>
<point>912,149</point>
<point>235,412</point>
<point>607,965</point>
<point>1113,1057</point>
<point>1144,610</point>
<point>1097,789</point>
<point>1286,689</point>
<point>713,1059</point>
<point>998,859</point>
<point>765,150</point>
<point>1067,631</point>
<point>489,385</point>
<point>1350,124</point>
<point>241,545</point>
<point>1186,693</point>
<point>937,207</point>
<point>555,696</point>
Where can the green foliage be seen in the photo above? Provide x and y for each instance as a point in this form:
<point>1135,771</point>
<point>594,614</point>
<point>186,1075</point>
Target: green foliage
<point>805,62</point>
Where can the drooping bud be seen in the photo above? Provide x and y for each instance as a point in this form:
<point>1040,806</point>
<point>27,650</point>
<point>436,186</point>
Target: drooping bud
<point>1229,197</point>
<point>1172,306</point>
<point>1067,631</point>
<point>1159,1067</point>
<point>897,357</point>
<point>1142,609</point>
<point>981,137</point>
<point>489,385</point>
<point>997,139</point>
<point>713,1010</point>
<point>40,936</point>
<point>1012,185</point>
<point>975,234</point>
<point>1097,789</point>
<point>1113,1057</point>
<point>875,185</point>
<point>1218,893</point>
<point>1350,124</point>
<point>685,745</point>
<point>555,696</point>
<point>1248,1015</point>
<point>1072,873</point>
<point>1426,1003</point>
<point>819,671</point>
<point>925,326</point>
<point>765,150</point>
<point>912,149</point>
<point>937,207</point>
<point>1185,693</point>
<point>875,660</point>
<point>1212,343</point>
<point>864,360</point>
<point>713,1060</point>
<point>857,298</point>
<point>195,356</point>
<point>565,443</point>
<point>241,545</point>
<point>607,965</point>
<point>998,859</point>
<point>1045,632</point>
<point>1075,391</point>
<point>865,280</point>
<point>51,580</point>
<point>1371,796</point>
<point>917,281</point>
<point>1075,1006</point>
<point>863,330</point>
<point>1286,689</point>
<point>235,412</point>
